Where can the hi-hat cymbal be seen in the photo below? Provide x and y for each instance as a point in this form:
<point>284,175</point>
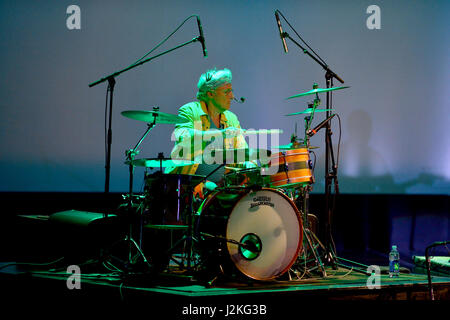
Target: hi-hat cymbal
<point>159,162</point>
<point>292,146</point>
<point>308,111</point>
<point>314,91</point>
<point>153,116</point>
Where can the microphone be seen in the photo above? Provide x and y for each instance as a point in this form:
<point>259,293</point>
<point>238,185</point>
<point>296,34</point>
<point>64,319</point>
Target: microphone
<point>201,38</point>
<point>312,132</point>
<point>282,34</point>
<point>241,100</point>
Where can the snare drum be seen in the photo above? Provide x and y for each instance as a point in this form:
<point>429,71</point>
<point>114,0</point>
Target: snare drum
<point>257,234</point>
<point>294,168</point>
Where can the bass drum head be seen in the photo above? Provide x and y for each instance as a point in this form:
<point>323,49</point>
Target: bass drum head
<point>268,223</point>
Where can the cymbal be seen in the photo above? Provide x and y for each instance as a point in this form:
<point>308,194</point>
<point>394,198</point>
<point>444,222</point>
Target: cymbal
<point>150,116</point>
<point>156,162</point>
<point>292,146</point>
<point>308,111</point>
<point>314,91</point>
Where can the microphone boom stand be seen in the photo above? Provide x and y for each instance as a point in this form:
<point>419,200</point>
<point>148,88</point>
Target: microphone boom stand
<point>330,174</point>
<point>111,83</point>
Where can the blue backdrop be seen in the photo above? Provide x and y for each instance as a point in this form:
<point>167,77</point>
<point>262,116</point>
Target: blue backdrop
<point>395,137</point>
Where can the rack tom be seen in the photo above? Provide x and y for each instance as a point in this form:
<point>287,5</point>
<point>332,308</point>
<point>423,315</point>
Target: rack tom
<point>294,168</point>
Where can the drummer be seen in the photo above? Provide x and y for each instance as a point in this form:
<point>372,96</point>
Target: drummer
<point>209,118</point>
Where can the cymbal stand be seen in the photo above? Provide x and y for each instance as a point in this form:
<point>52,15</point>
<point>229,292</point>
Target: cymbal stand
<point>311,239</point>
<point>130,154</point>
<point>309,119</point>
<point>310,242</point>
<point>300,196</point>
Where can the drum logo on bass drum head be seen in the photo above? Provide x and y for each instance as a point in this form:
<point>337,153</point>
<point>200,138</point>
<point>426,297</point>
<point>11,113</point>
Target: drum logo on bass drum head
<point>261,201</point>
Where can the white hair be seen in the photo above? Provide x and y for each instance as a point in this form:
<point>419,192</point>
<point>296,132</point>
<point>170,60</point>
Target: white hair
<point>212,79</point>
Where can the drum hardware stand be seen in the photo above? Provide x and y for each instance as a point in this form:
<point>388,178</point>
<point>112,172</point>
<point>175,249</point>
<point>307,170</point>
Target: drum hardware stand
<point>130,154</point>
<point>188,238</point>
<point>311,240</point>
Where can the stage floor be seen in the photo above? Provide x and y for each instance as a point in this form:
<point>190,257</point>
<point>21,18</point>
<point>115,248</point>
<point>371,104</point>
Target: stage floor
<point>177,290</point>
<point>176,296</point>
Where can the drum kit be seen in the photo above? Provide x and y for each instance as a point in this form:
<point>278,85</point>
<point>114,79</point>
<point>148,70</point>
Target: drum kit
<point>255,226</point>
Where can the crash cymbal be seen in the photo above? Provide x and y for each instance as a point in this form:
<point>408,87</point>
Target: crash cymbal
<point>292,146</point>
<point>157,162</point>
<point>308,111</point>
<point>314,91</point>
<point>150,116</point>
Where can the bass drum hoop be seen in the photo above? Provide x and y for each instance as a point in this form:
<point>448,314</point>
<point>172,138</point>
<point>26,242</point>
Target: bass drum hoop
<point>242,270</point>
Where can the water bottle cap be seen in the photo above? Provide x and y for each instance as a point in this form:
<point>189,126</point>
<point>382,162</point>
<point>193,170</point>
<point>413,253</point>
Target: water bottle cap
<point>394,247</point>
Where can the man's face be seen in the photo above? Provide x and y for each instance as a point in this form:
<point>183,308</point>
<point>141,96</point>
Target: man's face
<point>222,96</point>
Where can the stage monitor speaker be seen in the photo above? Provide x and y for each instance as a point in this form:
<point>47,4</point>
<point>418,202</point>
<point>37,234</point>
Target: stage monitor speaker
<point>79,235</point>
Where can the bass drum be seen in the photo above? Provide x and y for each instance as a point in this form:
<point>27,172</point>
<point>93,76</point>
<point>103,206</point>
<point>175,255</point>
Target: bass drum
<point>253,233</point>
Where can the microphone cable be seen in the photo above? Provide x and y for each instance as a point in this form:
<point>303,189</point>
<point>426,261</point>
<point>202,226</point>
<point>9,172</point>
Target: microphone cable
<point>165,39</point>
<point>139,60</point>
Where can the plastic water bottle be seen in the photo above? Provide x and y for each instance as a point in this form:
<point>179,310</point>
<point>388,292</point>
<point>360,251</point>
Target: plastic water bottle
<point>394,262</point>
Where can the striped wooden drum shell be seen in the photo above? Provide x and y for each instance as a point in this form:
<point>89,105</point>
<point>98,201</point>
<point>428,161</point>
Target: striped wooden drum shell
<point>294,168</point>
